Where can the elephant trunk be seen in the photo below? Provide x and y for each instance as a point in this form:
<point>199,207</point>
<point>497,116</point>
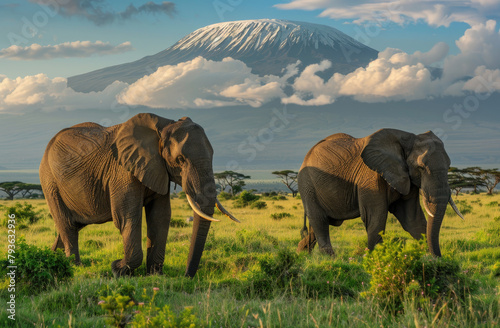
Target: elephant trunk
<point>436,209</point>
<point>201,193</point>
<point>198,238</point>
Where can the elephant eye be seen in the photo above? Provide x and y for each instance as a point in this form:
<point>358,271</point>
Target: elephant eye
<point>180,160</point>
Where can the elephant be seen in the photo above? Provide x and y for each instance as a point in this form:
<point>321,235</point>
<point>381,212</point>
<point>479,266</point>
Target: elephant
<point>343,178</point>
<point>92,174</point>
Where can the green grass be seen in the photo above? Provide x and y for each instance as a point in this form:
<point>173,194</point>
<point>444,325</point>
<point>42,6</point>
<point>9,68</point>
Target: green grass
<point>241,260</point>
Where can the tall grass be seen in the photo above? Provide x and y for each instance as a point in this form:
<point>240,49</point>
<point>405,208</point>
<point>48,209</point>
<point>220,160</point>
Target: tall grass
<point>240,281</point>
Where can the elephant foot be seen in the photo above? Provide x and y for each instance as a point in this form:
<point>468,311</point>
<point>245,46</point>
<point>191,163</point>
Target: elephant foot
<point>327,250</point>
<point>155,269</point>
<point>120,270</point>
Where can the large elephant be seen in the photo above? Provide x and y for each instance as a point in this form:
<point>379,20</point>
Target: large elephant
<point>343,178</point>
<point>91,174</point>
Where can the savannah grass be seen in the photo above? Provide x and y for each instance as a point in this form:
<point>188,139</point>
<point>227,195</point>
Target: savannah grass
<point>241,282</point>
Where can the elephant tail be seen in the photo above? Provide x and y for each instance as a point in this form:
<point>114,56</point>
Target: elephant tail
<point>303,231</point>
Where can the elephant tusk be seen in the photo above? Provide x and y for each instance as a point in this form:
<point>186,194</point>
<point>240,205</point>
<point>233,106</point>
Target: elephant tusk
<point>455,208</point>
<point>224,211</point>
<point>427,209</point>
<point>196,208</point>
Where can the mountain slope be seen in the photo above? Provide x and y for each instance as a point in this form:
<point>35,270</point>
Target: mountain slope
<point>265,45</point>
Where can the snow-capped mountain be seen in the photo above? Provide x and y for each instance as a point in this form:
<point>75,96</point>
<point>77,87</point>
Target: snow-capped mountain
<point>265,45</point>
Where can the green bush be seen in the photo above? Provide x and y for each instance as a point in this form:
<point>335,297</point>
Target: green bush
<point>182,195</point>
<point>329,278</point>
<point>279,216</point>
<point>403,271</point>
<point>245,199</point>
<point>277,273</point>
<point>492,204</point>
<point>178,223</point>
<point>462,206</point>
<point>224,195</point>
<point>258,205</point>
<point>25,214</point>
<point>256,240</point>
<point>38,268</point>
<point>94,244</point>
<point>122,309</point>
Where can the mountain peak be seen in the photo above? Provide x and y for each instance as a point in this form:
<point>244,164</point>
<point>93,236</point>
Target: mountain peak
<point>267,46</point>
<point>261,33</point>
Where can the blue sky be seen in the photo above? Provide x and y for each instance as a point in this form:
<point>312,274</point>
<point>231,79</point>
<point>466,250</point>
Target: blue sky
<point>150,33</point>
<point>41,46</point>
<point>46,41</point>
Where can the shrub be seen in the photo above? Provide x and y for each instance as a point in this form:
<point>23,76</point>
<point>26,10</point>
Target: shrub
<point>462,206</point>
<point>279,216</point>
<point>182,195</point>
<point>492,204</point>
<point>258,205</point>
<point>256,240</point>
<point>121,309</point>
<point>245,199</point>
<point>224,195</point>
<point>277,273</point>
<point>334,279</point>
<point>404,271</point>
<point>25,214</point>
<point>95,244</point>
<point>38,268</point>
<point>178,223</point>
<point>495,270</point>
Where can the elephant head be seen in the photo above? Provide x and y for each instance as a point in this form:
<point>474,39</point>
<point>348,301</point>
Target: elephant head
<point>403,159</point>
<point>157,151</point>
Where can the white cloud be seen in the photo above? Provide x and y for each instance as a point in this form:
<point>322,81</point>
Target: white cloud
<point>39,92</point>
<point>479,46</point>
<point>201,83</point>
<point>435,13</point>
<point>394,75</point>
<point>64,50</point>
<point>484,81</point>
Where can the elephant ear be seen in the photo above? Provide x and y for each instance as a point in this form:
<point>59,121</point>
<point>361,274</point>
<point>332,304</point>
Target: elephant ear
<point>137,148</point>
<point>385,152</point>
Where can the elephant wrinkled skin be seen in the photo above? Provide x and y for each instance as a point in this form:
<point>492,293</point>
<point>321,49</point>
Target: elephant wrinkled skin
<point>343,178</point>
<point>91,175</point>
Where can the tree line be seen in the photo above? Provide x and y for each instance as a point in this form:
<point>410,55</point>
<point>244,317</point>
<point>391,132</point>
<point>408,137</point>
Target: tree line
<point>474,178</point>
<point>26,190</point>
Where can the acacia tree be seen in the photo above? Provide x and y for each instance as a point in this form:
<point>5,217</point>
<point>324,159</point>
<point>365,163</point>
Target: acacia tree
<point>491,178</point>
<point>458,179</point>
<point>289,178</point>
<point>27,189</point>
<point>231,179</point>
<point>475,175</point>
<point>11,188</point>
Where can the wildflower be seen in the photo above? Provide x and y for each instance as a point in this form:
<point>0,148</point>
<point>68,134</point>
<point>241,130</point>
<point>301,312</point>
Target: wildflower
<point>156,289</point>
<point>327,282</point>
<point>101,302</point>
<point>140,303</point>
<point>137,311</point>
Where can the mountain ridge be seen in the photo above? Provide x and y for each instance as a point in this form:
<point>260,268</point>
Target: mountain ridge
<point>267,46</point>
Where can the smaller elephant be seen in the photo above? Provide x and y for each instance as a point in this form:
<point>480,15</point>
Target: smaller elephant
<point>343,178</point>
<point>92,174</point>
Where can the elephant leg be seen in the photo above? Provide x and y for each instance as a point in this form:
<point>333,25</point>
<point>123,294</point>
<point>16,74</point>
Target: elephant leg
<point>158,215</point>
<point>409,213</point>
<point>67,232</point>
<point>375,218</point>
<point>127,216</point>
<point>58,243</point>
<point>308,242</point>
<point>321,231</point>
